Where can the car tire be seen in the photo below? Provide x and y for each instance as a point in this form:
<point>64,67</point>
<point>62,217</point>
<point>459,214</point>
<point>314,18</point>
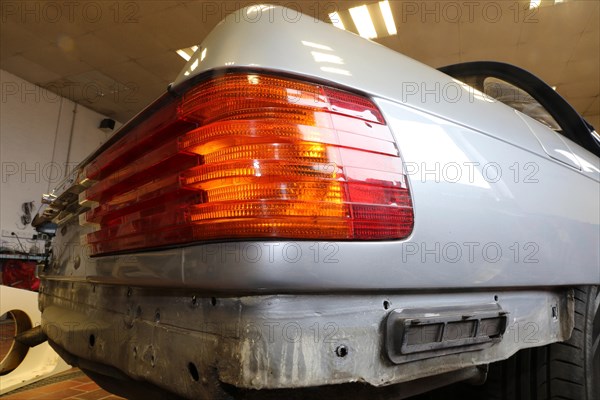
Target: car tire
<point>567,370</point>
<point>572,368</point>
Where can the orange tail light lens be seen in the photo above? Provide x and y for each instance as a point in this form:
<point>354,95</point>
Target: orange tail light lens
<point>250,156</point>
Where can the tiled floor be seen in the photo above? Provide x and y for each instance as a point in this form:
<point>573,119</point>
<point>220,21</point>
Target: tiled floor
<point>69,385</point>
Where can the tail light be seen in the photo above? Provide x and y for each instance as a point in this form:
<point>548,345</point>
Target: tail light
<point>250,156</point>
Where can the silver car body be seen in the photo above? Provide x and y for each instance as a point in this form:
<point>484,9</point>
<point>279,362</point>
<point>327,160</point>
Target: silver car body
<point>506,214</point>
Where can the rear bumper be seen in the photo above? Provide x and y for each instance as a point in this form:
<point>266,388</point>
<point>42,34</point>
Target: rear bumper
<point>192,345</point>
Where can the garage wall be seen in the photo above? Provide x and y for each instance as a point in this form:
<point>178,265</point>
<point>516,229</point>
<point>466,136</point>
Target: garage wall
<point>35,129</point>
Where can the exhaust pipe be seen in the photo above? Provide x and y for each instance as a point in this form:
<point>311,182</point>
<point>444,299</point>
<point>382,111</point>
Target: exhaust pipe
<point>31,337</point>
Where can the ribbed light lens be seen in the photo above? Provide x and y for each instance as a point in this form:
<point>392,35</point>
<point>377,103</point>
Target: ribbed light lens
<point>246,156</point>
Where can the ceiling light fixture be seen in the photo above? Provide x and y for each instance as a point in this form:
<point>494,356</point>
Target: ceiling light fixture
<point>336,20</point>
<point>363,22</point>
<point>184,55</point>
<point>534,4</point>
<point>187,52</point>
<point>388,17</point>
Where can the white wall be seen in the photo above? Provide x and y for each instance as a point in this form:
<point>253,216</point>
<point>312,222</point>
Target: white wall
<point>35,129</point>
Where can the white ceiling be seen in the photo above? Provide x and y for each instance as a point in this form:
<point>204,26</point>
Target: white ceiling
<point>116,57</point>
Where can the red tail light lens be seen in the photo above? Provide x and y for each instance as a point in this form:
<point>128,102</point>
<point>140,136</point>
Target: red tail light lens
<point>250,156</point>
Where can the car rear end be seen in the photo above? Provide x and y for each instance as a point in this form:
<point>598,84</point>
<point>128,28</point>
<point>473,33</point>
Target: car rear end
<point>256,232</point>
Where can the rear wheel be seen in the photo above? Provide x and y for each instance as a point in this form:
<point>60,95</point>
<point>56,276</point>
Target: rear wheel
<point>572,368</point>
<point>568,370</point>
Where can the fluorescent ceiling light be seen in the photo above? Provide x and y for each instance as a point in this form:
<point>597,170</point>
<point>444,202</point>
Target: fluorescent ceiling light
<point>335,19</point>
<point>363,22</point>
<point>203,55</point>
<point>365,25</point>
<point>534,3</point>
<point>386,11</point>
<point>184,55</point>
<point>187,52</point>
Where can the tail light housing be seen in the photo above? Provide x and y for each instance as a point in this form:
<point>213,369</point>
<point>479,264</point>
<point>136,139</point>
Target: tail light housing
<point>249,156</point>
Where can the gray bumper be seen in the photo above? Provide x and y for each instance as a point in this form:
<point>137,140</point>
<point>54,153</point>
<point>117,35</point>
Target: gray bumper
<point>186,343</point>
